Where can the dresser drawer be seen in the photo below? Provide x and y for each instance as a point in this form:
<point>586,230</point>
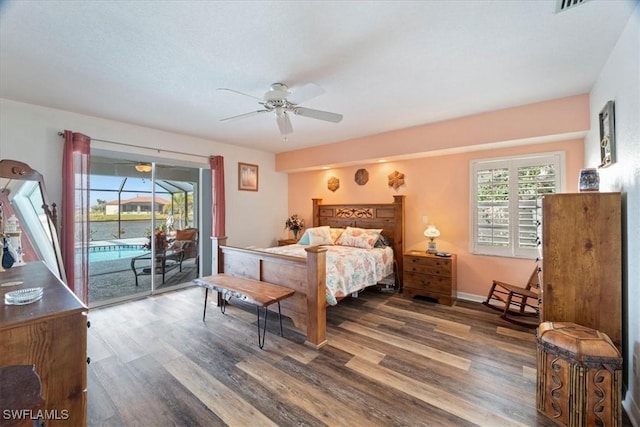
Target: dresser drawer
<point>429,283</point>
<point>435,266</point>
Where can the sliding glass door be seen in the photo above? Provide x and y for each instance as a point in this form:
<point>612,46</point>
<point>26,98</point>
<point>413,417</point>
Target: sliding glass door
<point>144,229</point>
<point>176,227</point>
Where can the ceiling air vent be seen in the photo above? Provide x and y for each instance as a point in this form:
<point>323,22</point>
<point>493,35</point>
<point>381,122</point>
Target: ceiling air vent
<point>562,5</point>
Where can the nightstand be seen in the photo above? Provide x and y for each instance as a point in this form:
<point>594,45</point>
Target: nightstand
<point>430,276</point>
<point>284,242</point>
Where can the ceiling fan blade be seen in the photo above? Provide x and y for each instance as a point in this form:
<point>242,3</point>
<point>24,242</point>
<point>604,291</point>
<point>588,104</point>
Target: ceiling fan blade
<point>304,93</point>
<point>284,123</point>
<point>317,114</point>
<point>240,93</point>
<point>242,116</point>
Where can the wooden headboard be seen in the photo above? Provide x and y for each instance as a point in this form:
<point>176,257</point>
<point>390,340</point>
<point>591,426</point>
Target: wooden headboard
<point>388,216</point>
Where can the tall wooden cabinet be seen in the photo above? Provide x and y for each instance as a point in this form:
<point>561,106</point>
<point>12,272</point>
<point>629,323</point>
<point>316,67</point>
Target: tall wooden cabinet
<point>582,261</point>
<point>50,334</point>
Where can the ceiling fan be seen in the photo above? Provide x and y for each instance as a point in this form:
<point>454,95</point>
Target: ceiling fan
<point>283,102</point>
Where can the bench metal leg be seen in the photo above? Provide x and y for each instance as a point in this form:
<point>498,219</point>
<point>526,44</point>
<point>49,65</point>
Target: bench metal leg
<point>280,318</point>
<point>261,335</point>
<point>206,294</point>
<point>223,304</point>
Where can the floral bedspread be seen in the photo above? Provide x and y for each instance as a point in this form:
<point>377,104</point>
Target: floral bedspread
<point>349,269</point>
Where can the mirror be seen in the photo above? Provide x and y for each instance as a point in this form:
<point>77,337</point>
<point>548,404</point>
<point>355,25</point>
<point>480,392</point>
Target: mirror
<point>27,220</point>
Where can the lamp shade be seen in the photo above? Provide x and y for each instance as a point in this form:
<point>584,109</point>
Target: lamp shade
<point>431,232</point>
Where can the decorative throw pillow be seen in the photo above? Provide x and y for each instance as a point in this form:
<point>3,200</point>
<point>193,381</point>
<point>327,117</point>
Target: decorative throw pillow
<point>304,240</point>
<point>316,236</point>
<point>364,238</point>
<point>178,244</point>
<point>320,236</point>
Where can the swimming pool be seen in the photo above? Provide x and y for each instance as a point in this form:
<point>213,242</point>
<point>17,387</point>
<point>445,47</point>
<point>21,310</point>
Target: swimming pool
<point>111,253</point>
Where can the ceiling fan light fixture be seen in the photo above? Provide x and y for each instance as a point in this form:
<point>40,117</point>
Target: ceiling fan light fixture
<point>277,92</point>
<point>143,167</point>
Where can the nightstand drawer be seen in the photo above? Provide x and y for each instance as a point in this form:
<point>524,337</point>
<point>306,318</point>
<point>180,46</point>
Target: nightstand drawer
<point>430,262</point>
<point>428,266</point>
<point>427,283</point>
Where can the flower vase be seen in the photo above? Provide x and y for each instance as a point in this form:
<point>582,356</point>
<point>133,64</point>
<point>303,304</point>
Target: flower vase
<point>295,233</point>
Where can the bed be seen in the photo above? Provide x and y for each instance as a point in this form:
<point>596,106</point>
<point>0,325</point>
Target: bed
<point>307,276</point>
<point>349,269</point>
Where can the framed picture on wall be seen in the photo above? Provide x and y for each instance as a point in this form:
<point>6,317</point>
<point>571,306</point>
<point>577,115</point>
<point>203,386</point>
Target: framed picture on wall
<point>247,177</point>
<point>607,135</point>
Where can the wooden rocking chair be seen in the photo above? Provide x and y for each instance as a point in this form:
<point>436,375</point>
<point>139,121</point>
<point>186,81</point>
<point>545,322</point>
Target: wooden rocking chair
<point>515,302</point>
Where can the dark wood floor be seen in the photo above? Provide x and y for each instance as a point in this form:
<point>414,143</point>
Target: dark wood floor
<point>390,361</point>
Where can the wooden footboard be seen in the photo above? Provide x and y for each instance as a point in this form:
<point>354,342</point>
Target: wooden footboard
<point>307,277</point>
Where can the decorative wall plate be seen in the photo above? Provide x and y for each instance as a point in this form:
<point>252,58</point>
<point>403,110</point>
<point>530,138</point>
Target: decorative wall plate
<point>362,176</point>
<point>396,179</point>
<point>333,184</point>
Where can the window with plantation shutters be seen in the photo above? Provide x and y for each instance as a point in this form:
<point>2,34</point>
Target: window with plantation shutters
<point>506,202</point>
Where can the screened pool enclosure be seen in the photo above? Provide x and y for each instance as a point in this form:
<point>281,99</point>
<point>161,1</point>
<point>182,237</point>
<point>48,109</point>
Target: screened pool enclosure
<point>143,228</point>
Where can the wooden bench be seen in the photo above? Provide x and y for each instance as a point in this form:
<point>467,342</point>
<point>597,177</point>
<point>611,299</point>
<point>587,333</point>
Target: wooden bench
<point>261,294</point>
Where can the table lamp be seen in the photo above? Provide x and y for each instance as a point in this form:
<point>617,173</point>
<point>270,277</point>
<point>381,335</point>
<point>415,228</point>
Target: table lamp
<point>432,233</point>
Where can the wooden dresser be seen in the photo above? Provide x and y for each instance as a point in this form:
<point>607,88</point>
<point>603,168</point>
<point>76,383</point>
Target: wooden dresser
<point>582,261</point>
<point>52,335</point>
<point>430,276</point>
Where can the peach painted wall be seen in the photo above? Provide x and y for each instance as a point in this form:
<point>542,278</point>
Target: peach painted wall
<point>437,187</point>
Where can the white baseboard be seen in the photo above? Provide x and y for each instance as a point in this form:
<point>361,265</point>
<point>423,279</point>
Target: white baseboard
<point>633,410</point>
<point>470,297</point>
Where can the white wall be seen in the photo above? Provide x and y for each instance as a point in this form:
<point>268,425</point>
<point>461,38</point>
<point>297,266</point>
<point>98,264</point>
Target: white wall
<point>619,81</point>
<point>29,133</point>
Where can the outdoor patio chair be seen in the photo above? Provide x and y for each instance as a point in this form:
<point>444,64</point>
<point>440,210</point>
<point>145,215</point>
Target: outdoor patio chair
<point>187,240</point>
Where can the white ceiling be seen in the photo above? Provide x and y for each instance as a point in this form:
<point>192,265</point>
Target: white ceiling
<point>384,65</point>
